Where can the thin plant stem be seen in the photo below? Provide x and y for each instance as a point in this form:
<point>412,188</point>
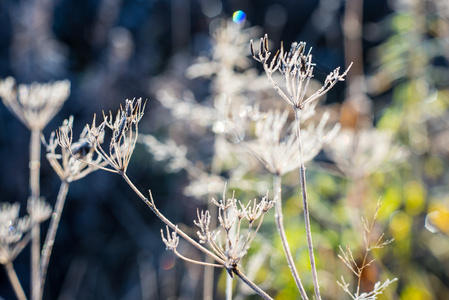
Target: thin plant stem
<point>35,164</point>
<point>251,284</point>
<point>166,221</point>
<point>302,175</point>
<point>195,261</point>
<point>281,230</point>
<point>12,275</point>
<point>51,234</point>
<point>365,256</point>
<point>229,282</point>
<point>208,280</point>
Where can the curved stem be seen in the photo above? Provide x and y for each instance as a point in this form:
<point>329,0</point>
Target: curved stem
<point>12,275</point>
<point>35,164</point>
<point>51,234</point>
<point>168,222</point>
<point>196,261</point>
<point>302,174</point>
<point>281,230</point>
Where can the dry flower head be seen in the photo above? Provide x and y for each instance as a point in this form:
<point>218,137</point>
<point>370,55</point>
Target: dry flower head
<point>297,69</point>
<point>14,231</point>
<point>35,104</point>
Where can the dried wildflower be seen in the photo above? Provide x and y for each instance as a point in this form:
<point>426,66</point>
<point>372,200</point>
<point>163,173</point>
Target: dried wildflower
<point>76,159</point>
<point>203,223</point>
<point>39,210</point>
<point>230,218</point>
<point>124,136</point>
<point>12,231</point>
<point>229,62</point>
<point>186,107</point>
<point>348,259</point>
<point>171,242</point>
<point>362,152</point>
<point>35,104</point>
<point>377,290</point>
<point>297,69</point>
<point>276,145</point>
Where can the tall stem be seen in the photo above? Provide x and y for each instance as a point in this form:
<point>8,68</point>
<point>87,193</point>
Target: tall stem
<point>281,230</point>
<point>12,275</point>
<point>229,282</point>
<point>35,164</point>
<point>302,175</point>
<point>208,280</point>
<point>51,234</point>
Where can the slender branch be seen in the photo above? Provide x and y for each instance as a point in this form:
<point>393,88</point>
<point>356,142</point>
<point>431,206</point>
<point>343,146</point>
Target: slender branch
<point>302,173</point>
<point>12,275</point>
<point>196,261</point>
<point>281,230</point>
<point>35,164</point>
<point>367,241</point>
<point>51,234</point>
<point>251,284</point>
<point>153,208</point>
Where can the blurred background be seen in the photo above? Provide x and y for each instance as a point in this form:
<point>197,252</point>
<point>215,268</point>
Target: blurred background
<point>108,244</point>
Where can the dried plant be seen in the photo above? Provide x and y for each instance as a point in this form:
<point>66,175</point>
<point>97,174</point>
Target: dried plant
<point>365,151</point>
<point>65,163</point>
<point>275,142</point>
<point>35,105</point>
<point>231,213</point>
<point>348,259</point>
<point>296,68</point>
<point>124,130</point>
<point>14,236</point>
<point>281,147</point>
<point>121,146</point>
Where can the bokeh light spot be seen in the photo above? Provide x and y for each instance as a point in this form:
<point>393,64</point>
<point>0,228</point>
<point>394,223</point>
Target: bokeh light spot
<point>239,17</point>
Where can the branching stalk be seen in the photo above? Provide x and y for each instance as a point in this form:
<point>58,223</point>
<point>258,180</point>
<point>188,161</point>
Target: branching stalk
<point>166,221</point>
<point>281,230</point>
<point>51,234</point>
<point>302,174</point>
<point>150,204</point>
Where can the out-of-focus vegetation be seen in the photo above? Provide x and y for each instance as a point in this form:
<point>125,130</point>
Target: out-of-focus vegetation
<point>393,144</point>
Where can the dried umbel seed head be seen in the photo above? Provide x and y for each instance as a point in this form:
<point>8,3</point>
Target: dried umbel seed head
<point>12,231</point>
<point>297,68</point>
<point>72,160</point>
<point>35,104</point>
<point>124,136</point>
